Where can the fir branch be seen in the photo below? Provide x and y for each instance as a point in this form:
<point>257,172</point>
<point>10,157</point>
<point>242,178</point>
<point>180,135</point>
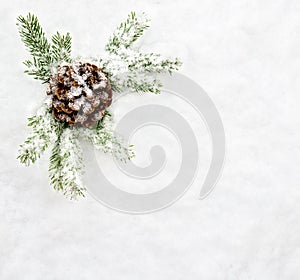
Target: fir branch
<point>37,44</point>
<point>139,82</point>
<point>136,71</point>
<point>127,32</point>
<point>152,62</point>
<point>113,65</point>
<point>44,55</point>
<point>61,47</point>
<point>105,139</point>
<point>132,70</point>
<point>55,165</point>
<point>136,82</point>
<point>66,167</point>
<point>44,128</point>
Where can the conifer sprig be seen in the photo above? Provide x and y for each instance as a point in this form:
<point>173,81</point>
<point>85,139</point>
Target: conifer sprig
<point>66,167</point>
<point>38,46</point>
<point>152,63</point>
<point>106,140</point>
<point>33,36</point>
<point>44,55</point>
<point>55,164</point>
<point>127,32</point>
<point>61,47</point>
<point>44,128</point>
<point>127,67</point>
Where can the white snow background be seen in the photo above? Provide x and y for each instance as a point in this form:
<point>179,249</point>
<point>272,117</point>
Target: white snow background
<point>245,54</point>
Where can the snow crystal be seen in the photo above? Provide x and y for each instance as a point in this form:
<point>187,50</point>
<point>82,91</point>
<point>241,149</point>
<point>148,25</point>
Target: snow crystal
<point>103,84</point>
<point>88,91</point>
<point>76,105</point>
<point>87,108</point>
<point>75,91</point>
<point>96,102</point>
<point>98,115</point>
<point>104,95</point>
<point>62,71</point>
<point>81,118</point>
<point>102,75</point>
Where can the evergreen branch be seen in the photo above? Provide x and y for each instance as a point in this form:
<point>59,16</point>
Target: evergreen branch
<point>33,36</point>
<point>61,47</point>
<point>151,62</point>
<point>55,165</point>
<point>37,44</point>
<point>66,167</point>
<point>127,32</point>
<point>37,70</point>
<point>138,82</point>
<point>135,71</point>
<point>43,133</point>
<point>104,139</point>
<point>44,55</point>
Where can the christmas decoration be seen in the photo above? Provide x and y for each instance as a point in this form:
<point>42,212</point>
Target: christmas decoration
<point>79,93</point>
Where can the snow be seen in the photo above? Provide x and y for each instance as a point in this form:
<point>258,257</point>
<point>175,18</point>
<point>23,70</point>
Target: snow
<point>245,54</point>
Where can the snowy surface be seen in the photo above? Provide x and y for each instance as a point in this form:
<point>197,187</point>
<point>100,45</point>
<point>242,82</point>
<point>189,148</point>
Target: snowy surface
<point>245,54</point>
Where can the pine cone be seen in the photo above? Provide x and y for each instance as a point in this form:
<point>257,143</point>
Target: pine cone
<point>80,94</point>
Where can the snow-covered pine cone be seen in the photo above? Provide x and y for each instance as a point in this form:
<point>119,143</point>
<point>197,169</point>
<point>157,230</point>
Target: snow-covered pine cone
<point>80,94</point>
